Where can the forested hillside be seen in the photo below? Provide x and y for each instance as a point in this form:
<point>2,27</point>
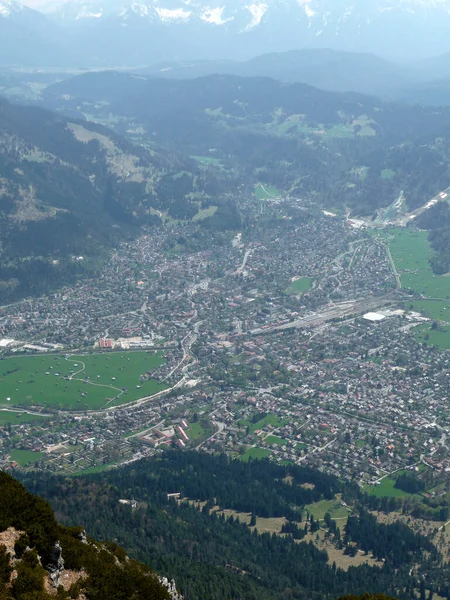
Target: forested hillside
<point>343,149</point>
<point>40,560</point>
<point>70,191</point>
<point>198,545</point>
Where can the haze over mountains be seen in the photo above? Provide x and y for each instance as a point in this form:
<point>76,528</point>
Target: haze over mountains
<point>139,32</point>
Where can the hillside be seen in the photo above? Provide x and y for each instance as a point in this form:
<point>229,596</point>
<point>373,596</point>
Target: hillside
<point>344,149</point>
<point>71,190</point>
<point>252,526</point>
<point>40,560</point>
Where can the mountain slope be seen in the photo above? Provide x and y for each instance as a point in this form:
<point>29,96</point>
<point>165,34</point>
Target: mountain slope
<point>71,189</point>
<point>28,38</point>
<point>343,149</point>
<point>322,68</point>
<point>41,560</point>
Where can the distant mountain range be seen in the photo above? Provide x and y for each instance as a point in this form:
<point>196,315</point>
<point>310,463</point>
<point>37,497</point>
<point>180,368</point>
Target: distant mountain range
<point>139,32</point>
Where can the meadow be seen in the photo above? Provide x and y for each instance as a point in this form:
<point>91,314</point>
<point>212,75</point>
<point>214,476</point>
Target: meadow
<point>433,337</point>
<point>25,457</point>
<point>78,382</point>
<point>265,191</point>
<point>411,253</point>
<point>255,453</point>
<point>12,417</point>
<point>386,489</point>
<point>334,507</point>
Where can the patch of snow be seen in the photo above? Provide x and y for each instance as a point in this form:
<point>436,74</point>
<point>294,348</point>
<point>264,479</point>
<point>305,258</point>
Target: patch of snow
<point>176,14</point>
<point>257,10</point>
<point>214,15</point>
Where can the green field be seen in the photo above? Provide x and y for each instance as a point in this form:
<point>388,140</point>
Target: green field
<point>264,191</point>
<point>78,382</point>
<point>208,160</point>
<point>318,509</point>
<point>25,457</point>
<point>299,285</point>
<point>411,253</point>
<point>386,489</point>
<point>273,420</point>
<point>205,213</point>
<point>387,174</point>
<point>437,310</point>
<point>273,439</point>
<point>433,337</point>
<point>195,431</point>
<point>410,249</point>
<point>17,418</point>
<point>255,453</point>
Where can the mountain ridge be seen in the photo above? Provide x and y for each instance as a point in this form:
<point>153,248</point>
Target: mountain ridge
<point>117,34</point>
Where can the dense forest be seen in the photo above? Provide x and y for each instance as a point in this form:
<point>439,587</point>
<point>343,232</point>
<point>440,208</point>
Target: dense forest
<point>198,546</point>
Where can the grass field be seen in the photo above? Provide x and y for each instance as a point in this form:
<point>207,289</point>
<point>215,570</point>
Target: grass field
<point>303,284</point>
<point>264,191</point>
<point>411,253</point>
<point>386,489</point>
<point>387,174</point>
<point>433,337</point>
<point>195,431</point>
<point>336,510</point>
<point>255,453</point>
<point>25,457</point>
<point>273,420</point>
<point>17,418</point>
<point>273,439</point>
<point>78,382</point>
<point>205,213</point>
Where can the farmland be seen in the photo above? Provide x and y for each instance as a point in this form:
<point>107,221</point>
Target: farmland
<point>411,253</point>
<point>433,337</point>
<point>12,417</point>
<point>78,382</point>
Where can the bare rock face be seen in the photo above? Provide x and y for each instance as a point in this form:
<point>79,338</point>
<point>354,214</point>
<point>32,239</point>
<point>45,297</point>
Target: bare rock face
<point>171,588</point>
<point>56,566</point>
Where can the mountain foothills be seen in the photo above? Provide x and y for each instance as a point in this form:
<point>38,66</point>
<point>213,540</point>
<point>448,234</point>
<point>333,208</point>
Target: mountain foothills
<point>40,559</point>
<point>70,191</point>
<point>346,149</point>
<point>125,32</point>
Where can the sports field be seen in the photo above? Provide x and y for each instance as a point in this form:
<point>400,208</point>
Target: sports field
<point>78,382</point>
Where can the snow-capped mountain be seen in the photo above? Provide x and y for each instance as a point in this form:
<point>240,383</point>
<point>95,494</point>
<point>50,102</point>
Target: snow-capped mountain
<point>27,37</point>
<point>139,32</point>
